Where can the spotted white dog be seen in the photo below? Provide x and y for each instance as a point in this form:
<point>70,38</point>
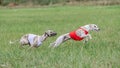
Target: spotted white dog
<point>81,33</point>
<point>35,40</point>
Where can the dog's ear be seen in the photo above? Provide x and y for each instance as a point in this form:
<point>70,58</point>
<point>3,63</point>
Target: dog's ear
<point>90,25</point>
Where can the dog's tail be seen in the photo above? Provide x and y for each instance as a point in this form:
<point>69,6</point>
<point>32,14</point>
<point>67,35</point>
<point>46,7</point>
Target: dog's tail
<point>13,42</point>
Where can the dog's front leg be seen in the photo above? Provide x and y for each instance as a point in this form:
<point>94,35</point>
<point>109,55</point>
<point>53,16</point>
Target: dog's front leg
<point>89,36</point>
<point>86,38</point>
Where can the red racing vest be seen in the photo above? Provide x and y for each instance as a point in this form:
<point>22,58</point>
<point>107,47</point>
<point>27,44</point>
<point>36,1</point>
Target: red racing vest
<point>74,36</point>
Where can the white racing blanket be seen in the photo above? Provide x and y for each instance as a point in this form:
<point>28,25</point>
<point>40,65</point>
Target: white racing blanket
<point>31,39</point>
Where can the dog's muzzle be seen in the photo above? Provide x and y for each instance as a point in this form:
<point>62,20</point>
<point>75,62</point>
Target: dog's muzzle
<point>53,34</point>
<point>97,29</point>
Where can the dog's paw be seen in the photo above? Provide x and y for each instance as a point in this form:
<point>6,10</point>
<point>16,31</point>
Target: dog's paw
<point>51,44</point>
<point>85,41</point>
<point>10,42</point>
<point>90,37</point>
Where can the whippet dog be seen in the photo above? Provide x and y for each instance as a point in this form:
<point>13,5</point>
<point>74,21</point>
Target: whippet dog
<point>82,33</point>
<point>35,40</point>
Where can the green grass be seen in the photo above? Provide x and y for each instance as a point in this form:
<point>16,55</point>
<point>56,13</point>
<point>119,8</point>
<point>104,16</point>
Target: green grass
<point>103,51</point>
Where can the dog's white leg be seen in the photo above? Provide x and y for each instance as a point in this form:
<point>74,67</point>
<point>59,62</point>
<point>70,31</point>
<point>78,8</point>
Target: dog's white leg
<point>52,44</point>
<point>57,42</point>
<point>12,42</point>
<point>86,38</point>
<point>60,40</point>
<point>89,35</point>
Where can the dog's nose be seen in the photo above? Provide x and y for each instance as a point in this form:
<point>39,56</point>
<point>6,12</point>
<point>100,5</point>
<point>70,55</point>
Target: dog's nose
<point>98,29</point>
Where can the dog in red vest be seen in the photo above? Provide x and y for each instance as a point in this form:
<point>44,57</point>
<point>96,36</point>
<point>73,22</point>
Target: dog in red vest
<point>82,33</point>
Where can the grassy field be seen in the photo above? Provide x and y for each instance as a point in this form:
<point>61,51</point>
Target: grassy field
<point>103,51</point>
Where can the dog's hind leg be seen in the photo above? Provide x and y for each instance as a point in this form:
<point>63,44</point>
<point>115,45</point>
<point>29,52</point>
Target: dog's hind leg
<point>12,42</point>
<point>30,47</point>
<point>57,42</point>
<point>24,40</point>
<point>60,40</point>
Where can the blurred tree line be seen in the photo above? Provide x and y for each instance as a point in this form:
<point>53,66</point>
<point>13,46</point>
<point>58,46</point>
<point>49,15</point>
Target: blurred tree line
<point>49,2</point>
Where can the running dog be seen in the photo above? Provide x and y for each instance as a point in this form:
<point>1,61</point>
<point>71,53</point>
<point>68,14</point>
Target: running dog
<point>81,33</point>
<point>35,40</point>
